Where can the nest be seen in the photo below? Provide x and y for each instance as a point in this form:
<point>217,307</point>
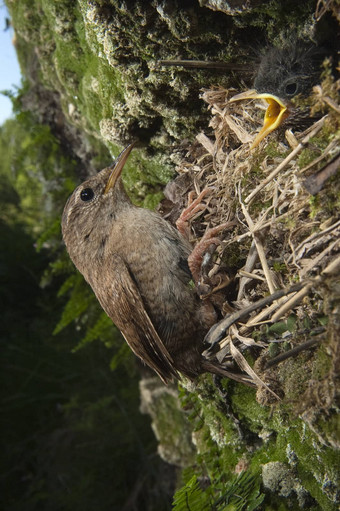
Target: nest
<point>283,245</point>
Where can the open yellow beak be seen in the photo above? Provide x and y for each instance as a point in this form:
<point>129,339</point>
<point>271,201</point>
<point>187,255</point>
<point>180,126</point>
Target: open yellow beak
<point>118,166</point>
<point>275,114</point>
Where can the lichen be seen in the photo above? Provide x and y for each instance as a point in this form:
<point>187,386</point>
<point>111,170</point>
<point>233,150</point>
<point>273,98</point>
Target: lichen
<point>168,422</point>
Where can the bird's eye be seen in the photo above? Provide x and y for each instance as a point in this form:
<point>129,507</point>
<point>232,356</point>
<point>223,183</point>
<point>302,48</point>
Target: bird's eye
<point>87,194</point>
<point>291,89</point>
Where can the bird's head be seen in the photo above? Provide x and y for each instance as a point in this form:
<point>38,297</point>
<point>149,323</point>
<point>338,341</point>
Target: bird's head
<point>92,208</point>
<point>283,74</point>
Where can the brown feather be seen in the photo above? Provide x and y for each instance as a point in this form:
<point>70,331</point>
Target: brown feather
<point>123,303</point>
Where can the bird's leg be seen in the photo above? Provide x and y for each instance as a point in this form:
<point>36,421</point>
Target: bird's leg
<point>201,254</point>
<point>199,260</point>
<point>194,206</point>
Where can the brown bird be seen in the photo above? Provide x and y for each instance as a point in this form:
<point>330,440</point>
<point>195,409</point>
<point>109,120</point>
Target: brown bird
<point>137,265</point>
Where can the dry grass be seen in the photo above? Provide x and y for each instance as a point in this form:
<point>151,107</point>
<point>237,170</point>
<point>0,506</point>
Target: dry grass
<point>283,236</point>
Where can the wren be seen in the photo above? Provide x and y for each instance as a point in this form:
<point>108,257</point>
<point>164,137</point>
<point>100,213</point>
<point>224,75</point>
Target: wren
<point>137,265</point>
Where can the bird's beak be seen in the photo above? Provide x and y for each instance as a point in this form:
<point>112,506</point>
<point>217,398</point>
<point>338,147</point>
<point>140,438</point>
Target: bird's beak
<point>117,167</point>
<point>275,114</point>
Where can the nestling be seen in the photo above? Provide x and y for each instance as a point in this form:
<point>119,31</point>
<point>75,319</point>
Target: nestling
<point>283,73</point>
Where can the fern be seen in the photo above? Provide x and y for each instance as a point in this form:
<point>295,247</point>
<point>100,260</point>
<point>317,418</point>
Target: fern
<point>78,303</point>
<point>100,330</point>
<point>242,493</point>
<point>123,354</point>
<point>192,498</point>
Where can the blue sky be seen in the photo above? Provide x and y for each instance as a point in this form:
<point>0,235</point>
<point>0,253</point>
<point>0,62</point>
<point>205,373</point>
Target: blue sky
<point>9,68</point>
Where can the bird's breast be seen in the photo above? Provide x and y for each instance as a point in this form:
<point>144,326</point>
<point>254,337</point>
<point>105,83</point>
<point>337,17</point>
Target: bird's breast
<point>156,256</point>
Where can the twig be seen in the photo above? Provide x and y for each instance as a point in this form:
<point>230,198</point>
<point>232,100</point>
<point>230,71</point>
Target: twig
<point>259,247</point>
<point>260,317</point>
<point>204,64</point>
<point>259,227</point>
<point>296,298</point>
<point>217,332</point>
<point>248,341</point>
<point>314,236</point>
<point>291,353</point>
<point>250,276</point>
<point>206,143</point>
<point>319,258</point>
<point>333,268</point>
<point>291,302</point>
<point>317,127</point>
<point>321,8</point>
<point>329,101</point>
<point>315,182</point>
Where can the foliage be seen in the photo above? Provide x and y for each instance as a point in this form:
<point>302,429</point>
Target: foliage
<point>70,426</point>
<point>192,497</point>
<point>233,432</point>
<point>241,493</point>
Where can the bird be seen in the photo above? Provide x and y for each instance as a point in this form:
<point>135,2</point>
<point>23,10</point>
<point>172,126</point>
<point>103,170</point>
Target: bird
<point>137,265</point>
<point>283,73</point>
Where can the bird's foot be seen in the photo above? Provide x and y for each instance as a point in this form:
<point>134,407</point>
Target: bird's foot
<point>200,258</point>
<point>193,207</point>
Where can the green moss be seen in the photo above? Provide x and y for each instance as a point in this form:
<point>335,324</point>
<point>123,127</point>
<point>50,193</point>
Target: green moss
<point>273,151</point>
<point>285,440</point>
<point>143,177</point>
<point>322,363</point>
<point>273,350</point>
<point>169,422</point>
<point>279,267</point>
<point>246,406</point>
<point>306,157</point>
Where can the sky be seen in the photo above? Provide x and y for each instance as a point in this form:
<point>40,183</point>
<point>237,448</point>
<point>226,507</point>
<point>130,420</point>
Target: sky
<point>9,67</point>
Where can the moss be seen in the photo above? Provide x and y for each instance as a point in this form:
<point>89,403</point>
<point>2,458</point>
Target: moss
<point>273,350</point>
<point>306,157</point>
<point>279,438</point>
<point>273,151</point>
<point>303,444</point>
<point>246,406</point>
<point>314,202</point>
<point>87,44</point>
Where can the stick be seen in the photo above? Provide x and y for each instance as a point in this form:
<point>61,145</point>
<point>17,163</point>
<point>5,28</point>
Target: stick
<point>294,351</point>
<point>217,332</point>
<point>291,302</point>
<point>313,237</point>
<point>204,64</point>
<point>259,248</point>
<point>315,182</point>
<point>317,127</point>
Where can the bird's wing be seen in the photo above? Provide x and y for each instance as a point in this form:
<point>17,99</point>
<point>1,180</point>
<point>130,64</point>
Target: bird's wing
<point>124,304</point>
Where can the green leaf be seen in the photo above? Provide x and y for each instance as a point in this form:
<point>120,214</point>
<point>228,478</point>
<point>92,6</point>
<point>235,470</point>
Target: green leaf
<point>192,498</point>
